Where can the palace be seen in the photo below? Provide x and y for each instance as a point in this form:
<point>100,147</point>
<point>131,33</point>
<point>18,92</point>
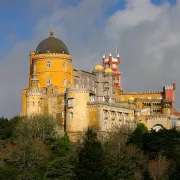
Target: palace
<point>78,99</point>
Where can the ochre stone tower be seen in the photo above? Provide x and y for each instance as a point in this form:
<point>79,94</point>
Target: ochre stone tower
<point>50,65</point>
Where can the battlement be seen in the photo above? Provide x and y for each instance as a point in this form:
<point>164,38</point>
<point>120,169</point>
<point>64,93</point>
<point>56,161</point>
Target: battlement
<point>147,92</point>
<point>157,117</point>
<point>169,87</point>
<point>33,92</point>
<point>111,59</point>
<point>97,103</point>
<point>77,90</point>
<point>50,56</point>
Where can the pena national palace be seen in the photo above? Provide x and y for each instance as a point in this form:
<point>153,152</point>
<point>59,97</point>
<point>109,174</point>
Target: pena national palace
<point>78,99</point>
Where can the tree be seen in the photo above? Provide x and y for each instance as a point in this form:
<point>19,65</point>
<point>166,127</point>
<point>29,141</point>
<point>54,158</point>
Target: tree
<point>34,127</point>
<point>137,136</point>
<point>5,128</point>
<point>90,156</point>
<point>61,168</point>
<point>28,155</point>
<point>31,136</point>
<point>158,168</point>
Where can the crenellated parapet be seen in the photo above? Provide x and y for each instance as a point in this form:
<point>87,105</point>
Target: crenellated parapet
<point>77,90</point>
<point>157,118</point>
<point>146,92</point>
<point>51,56</point>
<point>34,92</point>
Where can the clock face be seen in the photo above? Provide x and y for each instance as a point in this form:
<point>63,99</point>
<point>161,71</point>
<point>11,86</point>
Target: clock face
<point>114,66</point>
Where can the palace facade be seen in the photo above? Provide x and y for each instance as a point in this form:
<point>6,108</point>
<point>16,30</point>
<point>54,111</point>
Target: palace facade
<point>78,99</point>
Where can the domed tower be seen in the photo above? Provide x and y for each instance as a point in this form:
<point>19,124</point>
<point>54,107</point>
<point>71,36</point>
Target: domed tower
<point>50,66</point>
<point>53,64</point>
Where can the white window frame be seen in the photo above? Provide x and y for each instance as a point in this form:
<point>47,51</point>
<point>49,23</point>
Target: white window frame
<point>48,81</point>
<point>48,64</point>
<point>64,82</point>
<point>63,101</point>
<point>64,65</point>
<point>71,115</point>
<point>105,126</point>
<point>70,103</point>
<point>63,115</point>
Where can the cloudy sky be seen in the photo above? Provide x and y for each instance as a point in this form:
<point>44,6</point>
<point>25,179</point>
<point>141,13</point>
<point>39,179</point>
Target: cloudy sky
<point>147,34</point>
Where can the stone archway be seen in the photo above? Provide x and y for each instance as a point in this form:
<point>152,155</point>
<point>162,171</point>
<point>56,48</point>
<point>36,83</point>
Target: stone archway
<point>158,127</point>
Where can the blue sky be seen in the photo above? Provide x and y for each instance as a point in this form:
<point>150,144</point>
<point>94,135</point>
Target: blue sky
<point>148,38</point>
<point>17,19</point>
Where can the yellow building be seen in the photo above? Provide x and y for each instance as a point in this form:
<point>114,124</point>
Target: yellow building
<point>78,99</point>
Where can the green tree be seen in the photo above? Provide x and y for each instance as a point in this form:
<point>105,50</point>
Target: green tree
<point>137,136</point>
<point>34,127</point>
<point>61,168</point>
<point>90,156</point>
<point>5,128</point>
<point>28,155</point>
<point>31,135</point>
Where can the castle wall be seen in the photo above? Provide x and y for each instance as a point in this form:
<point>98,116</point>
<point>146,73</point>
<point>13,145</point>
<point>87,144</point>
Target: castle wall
<point>110,115</point>
<point>76,110</point>
<point>24,102</point>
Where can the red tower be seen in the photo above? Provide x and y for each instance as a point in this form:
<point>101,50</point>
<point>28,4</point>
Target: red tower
<point>114,64</point>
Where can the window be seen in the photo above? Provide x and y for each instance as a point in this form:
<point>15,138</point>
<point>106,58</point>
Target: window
<point>113,115</point>
<point>120,116</point>
<point>106,114</point>
<point>48,81</point>
<point>48,64</point>
<point>112,125</point>
<point>103,98</point>
<point>92,98</point>
<point>63,115</point>
<point>63,101</point>
<point>105,126</point>
<point>54,115</point>
<point>76,86</point>
<point>70,103</point>
<point>64,64</point>
<point>64,81</point>
<point>71,115</point>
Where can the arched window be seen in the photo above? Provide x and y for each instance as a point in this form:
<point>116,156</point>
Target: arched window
<point>64,81</point>
<point>63,101</point>
<point>63,115</point>
<point>105,126</point>
<point>48,64</point>
<point>71,115</point>
<point>64,64</point>
<point>95,90</point>
<point>34,67</point>
<point>48,81</point>
<point>112,125</point>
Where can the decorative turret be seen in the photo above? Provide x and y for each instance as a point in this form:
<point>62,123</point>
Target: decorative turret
<point>113,63</point>
<point>34,80</point>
